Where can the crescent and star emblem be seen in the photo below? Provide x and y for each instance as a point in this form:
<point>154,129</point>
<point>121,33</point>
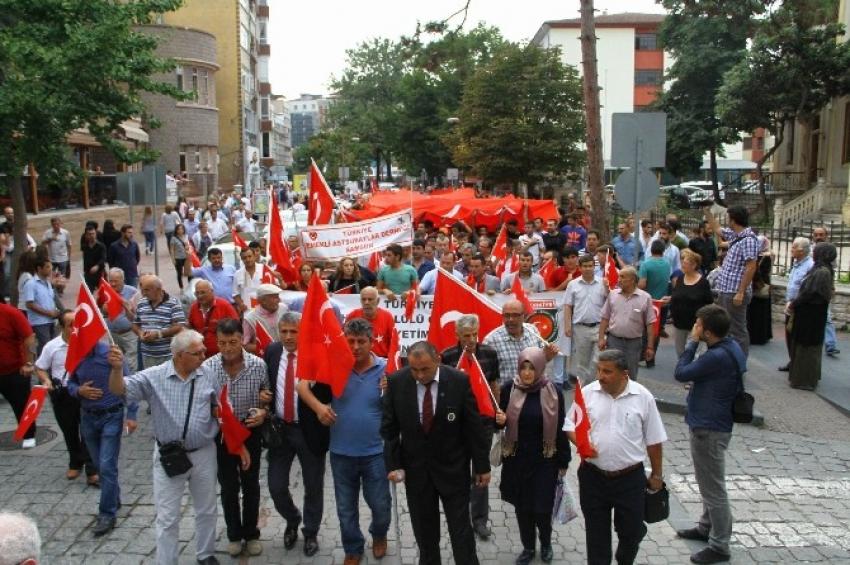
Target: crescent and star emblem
<point>31,409</point>
<point>449,317</point>
<point>577,414</point>
<point>318,206</point>
<point>89,314</point>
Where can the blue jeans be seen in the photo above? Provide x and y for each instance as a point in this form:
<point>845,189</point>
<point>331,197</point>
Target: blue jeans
<point>102,434</point>
<point>348,472</point>
<point>829,334</point>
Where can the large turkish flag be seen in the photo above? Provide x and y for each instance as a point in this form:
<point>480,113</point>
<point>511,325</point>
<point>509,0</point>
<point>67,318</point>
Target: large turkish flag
<point>452,299</point>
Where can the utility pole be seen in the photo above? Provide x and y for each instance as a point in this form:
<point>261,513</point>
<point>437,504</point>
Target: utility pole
<point>590,85</point>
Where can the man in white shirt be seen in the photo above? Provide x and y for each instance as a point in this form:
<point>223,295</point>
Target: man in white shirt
<point>429,280</point>
<point>58,242</point>
<point>532,242</point>
<point>216,225</point>
<point>583,302</point>
<point>625,427</point>
<point>246,280</point>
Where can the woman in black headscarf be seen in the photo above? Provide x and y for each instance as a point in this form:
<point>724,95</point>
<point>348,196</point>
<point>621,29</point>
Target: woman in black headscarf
<point>808,319</point>
<point>535,451</point>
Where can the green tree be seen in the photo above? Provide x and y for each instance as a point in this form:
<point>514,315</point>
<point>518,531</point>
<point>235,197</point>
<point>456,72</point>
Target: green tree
<point>331,149</point>
<point>705,40</point>
<point>796,64</point>
<point>521,118</point>
<point>68,64</point>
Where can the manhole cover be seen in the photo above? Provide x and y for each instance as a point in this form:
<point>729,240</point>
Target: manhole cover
<point>43,434</point>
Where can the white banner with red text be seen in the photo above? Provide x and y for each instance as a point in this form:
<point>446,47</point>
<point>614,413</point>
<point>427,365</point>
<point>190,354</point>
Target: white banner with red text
<point>332,242</point>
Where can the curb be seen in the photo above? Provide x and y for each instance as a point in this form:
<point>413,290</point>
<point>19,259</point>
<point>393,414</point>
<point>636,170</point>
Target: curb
<point>680,408</point>
<point>840,407</point>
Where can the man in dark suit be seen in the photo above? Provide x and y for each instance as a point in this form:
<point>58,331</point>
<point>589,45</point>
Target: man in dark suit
<point>430,434</point>
<point>466,329</point>
<point>295,431</point>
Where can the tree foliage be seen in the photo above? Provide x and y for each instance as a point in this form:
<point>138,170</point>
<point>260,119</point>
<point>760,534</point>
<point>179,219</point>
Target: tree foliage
<point>521,117</point>
<point>332,150</point>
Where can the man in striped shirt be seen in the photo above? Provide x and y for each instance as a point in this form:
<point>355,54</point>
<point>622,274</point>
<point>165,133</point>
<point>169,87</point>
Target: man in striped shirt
<point>159,317</point>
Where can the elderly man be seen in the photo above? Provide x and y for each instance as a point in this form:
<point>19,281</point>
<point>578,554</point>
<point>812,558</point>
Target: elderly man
<point>466,252</point>
<point>206,312</point>
<point>479,279</point>
<point>447,263</point>
<point>20,542</point>
<point>381,320</point>
<point>625,427</point>
<point>466,330</point>
<point>184,401</point>
<point>202,240</point>
<point>626,316</point>
<point>267,313</point>
<point>245,376</point>
<point>218,273</point>
<point>583,301</point>
<point>801,255</point>
<point>295,431</point>
<point>357,452</point>
<point>159,317</point>
<point>430,448</point>
<point>512,337</point>
<point>121,328</point>
<point>125,255</point>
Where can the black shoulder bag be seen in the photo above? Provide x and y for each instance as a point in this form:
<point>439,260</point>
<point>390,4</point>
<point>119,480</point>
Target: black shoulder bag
<point>173,455</point>
<point>742,407</point>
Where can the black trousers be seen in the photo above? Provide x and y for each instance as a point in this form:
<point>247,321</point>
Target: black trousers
<point>312,471</point>
<point>528,522</point>
<point>598,496</point>
<point>66,408</point>
<point>423,500</point>
<point>232,479</point>
<point>16,389</point>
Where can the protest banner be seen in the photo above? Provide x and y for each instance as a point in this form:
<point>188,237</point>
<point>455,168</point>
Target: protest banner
<point>334,241</point>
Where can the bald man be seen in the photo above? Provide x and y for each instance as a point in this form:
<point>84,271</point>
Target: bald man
<point>159,317</point>
<point>512,337</point>
<point>383,323</point>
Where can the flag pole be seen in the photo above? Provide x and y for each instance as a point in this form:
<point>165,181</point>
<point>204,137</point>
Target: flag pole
<point>99,313</point>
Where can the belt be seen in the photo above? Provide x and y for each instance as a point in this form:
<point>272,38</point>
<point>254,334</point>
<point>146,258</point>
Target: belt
<point>613,474</point>
<point>282,422</point>
<point>121,333</point>
<point>589,325</point>
<point>625,338</point>
<point>102,411</point>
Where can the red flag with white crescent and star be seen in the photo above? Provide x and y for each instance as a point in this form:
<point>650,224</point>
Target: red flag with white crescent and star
<point>263,339</point>
<point>468,363</point>
<point>31,412</point>
<point>519,294</point>
<point>578,413</point>
<point>267,276</point>
<point>656,326</point>
<point>323,352</point>
<point>86,331</point>
<point>193,256</point>
<point>233,432</point>
<point>394,355</point>
<point>452,299</point>
<point>109,298</point>
<point>279,251</point>
<point>321,203</point>
<point>237,239</point>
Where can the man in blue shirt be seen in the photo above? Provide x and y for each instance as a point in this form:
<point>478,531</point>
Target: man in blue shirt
<point>576,235</point>
<point>41,304</point>
<point>716,378</point>
<point>627,248</point>
<point>121,328</point>
<point>218,274</point>
<point>124,254</point>
<point>418,260</point>
<point>357,450</point>
<point>101,424</point>
<point>800,253</point>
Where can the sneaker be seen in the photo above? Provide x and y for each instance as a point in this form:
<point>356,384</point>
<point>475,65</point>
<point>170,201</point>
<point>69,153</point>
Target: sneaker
<point>254,547</point>
<point>28,443</point>
<point>833,352</point>
<point>234,548</point>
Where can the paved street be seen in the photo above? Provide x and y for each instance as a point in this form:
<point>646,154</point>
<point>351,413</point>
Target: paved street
<point>789,482</point>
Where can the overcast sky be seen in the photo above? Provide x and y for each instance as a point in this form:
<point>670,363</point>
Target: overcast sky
<point>309,38</point>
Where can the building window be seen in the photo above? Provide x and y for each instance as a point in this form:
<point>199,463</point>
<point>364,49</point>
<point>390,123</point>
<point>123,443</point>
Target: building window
<point>646,42</point>
<point>182,161</point>
<point>845,153</point>
<point>647,78</point>
<point>748,143</point>
<point>197,158</point>
<point>267,145</point>
<point>195,83</point>
<point>263,36</point>
<point>789,155</point>
<point>205,87</point>
<point>264,108</point>
<point>179,72</point>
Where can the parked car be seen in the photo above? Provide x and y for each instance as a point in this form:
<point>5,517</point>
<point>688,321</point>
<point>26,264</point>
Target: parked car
<point>685,196</point>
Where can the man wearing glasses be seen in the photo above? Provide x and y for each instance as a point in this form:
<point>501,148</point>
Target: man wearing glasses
<point>512,337</point>
<point>184,406</point>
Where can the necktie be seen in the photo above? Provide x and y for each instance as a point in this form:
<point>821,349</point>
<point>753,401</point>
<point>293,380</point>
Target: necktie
<point>289,390</point>
<point>427,409</point>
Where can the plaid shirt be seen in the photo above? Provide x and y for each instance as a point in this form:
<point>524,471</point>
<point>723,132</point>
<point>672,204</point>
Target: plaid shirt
<point>743,248</point>
<point>244,390</point>
<point>508,348</point>
<point>168,396</point>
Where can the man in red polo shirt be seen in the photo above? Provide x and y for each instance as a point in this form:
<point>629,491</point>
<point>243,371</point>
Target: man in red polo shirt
<point>17,344</point>
<point>563,274</point>
<point>382,320</point>
<point>205,313</point>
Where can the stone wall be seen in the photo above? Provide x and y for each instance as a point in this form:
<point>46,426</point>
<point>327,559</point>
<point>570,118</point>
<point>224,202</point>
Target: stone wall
<point>840,303</point>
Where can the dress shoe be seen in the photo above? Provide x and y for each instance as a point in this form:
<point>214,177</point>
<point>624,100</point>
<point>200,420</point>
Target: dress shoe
<point>103,525</point>
<point>546,553</point>
<point>785,368</point>
<point>93,481</point>
<point>379,547</point>
<point>234,548</point>
<point>525,557</point>
<point>290,534</point>
<point>254,547</point>
<point>211,560</point>
<point>482,531</point>
<point>72,474</point>
<point>709,555</point>
<point>311,546</point>
<point>692,533</point>
<point>352,560</point>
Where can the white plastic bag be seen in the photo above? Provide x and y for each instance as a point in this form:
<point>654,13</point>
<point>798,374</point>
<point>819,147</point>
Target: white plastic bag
<point>496,450</point>
<point>566,506</point>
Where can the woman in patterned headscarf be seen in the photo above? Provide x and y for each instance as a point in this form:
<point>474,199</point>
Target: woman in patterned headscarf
<point>534,450</point>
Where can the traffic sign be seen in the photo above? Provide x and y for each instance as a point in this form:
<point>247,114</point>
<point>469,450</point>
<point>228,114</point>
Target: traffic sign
<point>639,142</point>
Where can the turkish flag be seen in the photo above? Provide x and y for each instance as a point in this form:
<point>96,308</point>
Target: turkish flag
<point>657,305</point>
<point>31,412</point>
<point>193,256</point>
<point>86,331</point>
<point>578,412</point>
<point>321,205</point>
<point>345,290</point>
<point>611,271</point>
<point>109,298</point>
<point>500,248</point>
<point>375,260</point>
<point>233,432</point>
<point>479,385</point>
<point>519,294</point>
<point>547,270</point>
<point>410,301</point>
<point>323,352</point>
<point>237,240</point>
<point>278,249</point>
<point>452,299</point>
<point>267,276</point>
<point>263,339</point>
<point>394,355</point>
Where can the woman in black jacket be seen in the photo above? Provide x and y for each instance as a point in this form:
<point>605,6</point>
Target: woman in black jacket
<point>347,275</point>
<point>535,451</point>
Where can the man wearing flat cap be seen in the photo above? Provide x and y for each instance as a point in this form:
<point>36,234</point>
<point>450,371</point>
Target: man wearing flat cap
<point>266,313</point>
